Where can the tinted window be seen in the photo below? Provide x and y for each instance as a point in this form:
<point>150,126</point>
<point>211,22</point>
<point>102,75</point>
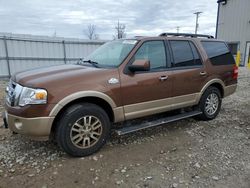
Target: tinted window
<point>197,60</point>
<point>184,54</point>
<point>218,53</point>
<point>154,51</point>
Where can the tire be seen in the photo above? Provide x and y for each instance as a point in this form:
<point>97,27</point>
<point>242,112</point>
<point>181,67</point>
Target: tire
<point>210,111</point>
<point>82,129</point>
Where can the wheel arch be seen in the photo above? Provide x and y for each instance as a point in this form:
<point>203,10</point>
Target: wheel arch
<point>100,99</point>
<point>81,95</point>
<point>218,83</point>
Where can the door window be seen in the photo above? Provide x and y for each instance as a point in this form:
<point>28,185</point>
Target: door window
<point>197,59</point>
<point>154,51</point>
<point>184,54</point>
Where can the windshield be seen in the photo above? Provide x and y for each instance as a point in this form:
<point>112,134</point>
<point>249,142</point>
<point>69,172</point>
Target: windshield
<point>112,54</point>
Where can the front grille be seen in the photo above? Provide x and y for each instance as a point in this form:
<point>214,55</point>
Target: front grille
<point>13,91</point>
<point>10,93</point>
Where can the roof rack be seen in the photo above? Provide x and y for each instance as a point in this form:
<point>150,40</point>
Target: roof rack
<point>186,35</point>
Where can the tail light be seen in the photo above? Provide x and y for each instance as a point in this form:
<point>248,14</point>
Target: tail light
<point>235,72</point>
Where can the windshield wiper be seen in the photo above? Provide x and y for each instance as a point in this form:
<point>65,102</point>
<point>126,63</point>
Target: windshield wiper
<point>95,64</point>
<point>81,61</point>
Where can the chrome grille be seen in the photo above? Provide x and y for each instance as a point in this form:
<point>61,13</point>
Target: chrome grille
<point>13,91</point>
<point>10,89</point>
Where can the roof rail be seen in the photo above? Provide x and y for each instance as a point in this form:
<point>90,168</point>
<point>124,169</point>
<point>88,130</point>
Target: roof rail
<point>186,35</point>
<point>139,36</point>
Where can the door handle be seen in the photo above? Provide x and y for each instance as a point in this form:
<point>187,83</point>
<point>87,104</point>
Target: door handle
<point>203,73</point>
<point>163,78</point>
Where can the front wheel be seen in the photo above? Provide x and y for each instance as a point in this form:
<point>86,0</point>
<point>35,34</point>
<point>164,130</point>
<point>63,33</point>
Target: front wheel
<point>83,129</point>
<point>210,103</point>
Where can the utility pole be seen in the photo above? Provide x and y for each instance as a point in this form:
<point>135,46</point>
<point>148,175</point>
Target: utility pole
<point>197,21</point>
<point>177,29</point>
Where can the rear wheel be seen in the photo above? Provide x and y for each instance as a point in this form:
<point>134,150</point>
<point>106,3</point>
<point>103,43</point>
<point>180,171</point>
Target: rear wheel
<point>210,103</point>
<point>83,129</point>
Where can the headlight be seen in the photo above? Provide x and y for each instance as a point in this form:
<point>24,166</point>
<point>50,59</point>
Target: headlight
<point>32,96</point>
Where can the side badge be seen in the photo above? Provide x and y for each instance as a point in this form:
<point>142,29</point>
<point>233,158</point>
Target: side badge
<point>113,81</point>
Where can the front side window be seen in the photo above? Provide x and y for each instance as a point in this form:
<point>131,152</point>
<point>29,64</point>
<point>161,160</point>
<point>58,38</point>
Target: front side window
<point>154,51</point>
<point>184,54</point>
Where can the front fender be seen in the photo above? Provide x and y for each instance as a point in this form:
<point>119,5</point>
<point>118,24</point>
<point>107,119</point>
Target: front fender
<point>78,95</point>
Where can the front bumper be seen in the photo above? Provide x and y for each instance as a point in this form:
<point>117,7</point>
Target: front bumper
<point>36,128</point>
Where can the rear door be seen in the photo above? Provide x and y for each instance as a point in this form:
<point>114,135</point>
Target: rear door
<point>189,75</point>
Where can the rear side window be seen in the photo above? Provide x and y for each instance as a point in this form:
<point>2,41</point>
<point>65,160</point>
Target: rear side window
<point>218,53</point>
<point>184,54</point>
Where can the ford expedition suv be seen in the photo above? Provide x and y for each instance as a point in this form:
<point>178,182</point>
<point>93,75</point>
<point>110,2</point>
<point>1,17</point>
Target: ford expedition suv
<point>120,81</point>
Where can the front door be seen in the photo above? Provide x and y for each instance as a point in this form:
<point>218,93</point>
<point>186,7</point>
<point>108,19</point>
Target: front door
<point>247,56</point>
<point>145,93</point>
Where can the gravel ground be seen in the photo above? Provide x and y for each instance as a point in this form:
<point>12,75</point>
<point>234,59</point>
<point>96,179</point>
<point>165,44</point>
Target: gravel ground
<point>186,153</point>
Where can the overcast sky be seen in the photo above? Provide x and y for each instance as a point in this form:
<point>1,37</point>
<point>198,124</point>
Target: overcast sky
<point>69,18</point>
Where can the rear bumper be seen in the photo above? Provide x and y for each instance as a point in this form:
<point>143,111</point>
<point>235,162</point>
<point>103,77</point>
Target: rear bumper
<point>228,90</point>
<point>36,128</point>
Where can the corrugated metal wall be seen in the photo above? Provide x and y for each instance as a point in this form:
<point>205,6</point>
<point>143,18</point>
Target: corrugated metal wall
<point>21,52</point>
<point>3,61</point>
<point>234,23</point>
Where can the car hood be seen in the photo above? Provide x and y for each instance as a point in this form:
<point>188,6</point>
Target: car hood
<point>56,75</point>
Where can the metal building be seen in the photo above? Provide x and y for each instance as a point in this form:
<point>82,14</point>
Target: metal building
<point>23,52</point>
<point>233,26</point>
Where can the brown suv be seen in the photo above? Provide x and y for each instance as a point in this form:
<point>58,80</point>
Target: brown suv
<point>122,80</point>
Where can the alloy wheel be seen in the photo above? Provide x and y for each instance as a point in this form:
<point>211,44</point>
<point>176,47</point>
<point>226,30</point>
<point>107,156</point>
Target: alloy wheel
<point>212,104</point>
<point>86,132</point>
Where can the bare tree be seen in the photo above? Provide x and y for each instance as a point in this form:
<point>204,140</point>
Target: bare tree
<point>120,31</point>
<point>90,32</point>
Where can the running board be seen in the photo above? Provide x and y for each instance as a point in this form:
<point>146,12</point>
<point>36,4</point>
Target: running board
<point>154,123</point>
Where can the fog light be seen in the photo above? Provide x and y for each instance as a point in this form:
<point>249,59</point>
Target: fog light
<point>18,124</point>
